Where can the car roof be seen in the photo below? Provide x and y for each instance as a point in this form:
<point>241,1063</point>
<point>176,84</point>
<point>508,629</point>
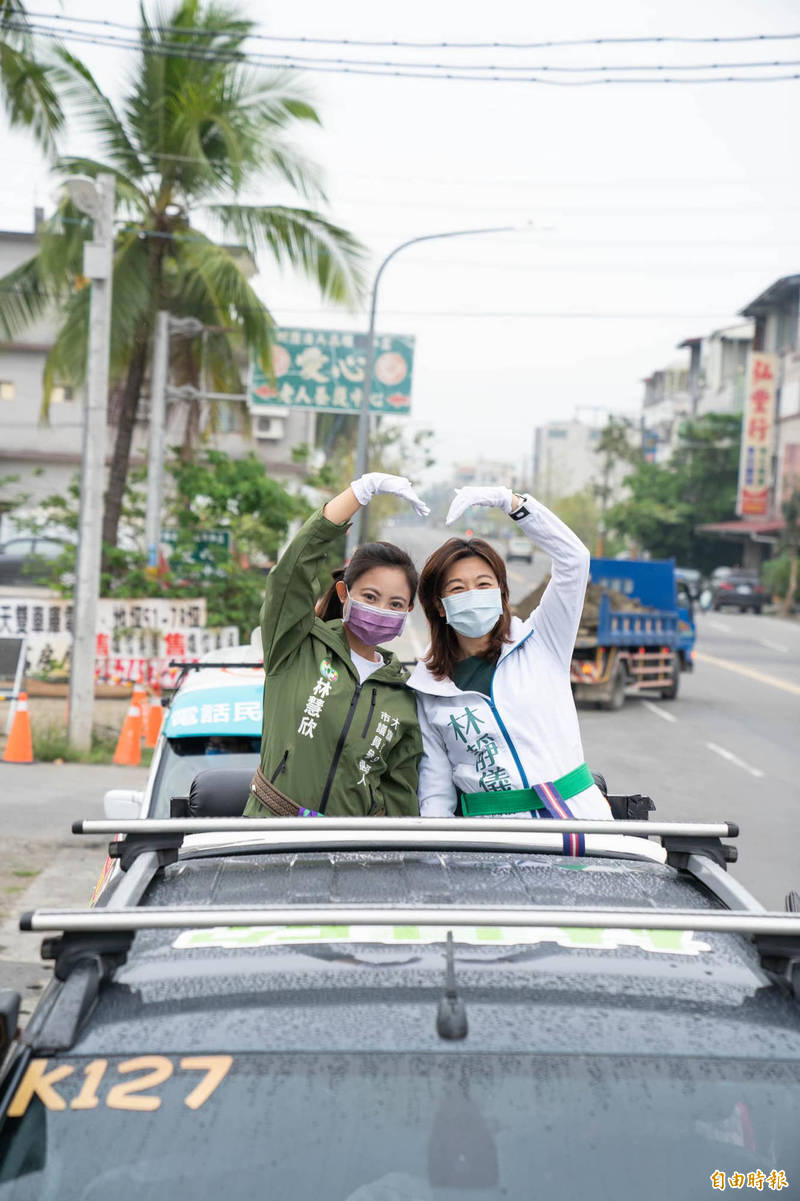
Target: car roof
<point>219,696</point>
<point>276,988</point>
<point>195,978</point>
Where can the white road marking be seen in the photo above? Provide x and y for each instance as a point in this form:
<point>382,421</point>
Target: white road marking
<point>659,712</point>
<point>729,755</point>
<point>773,646</point>
<point>719,625</point>
<point>761,676</point>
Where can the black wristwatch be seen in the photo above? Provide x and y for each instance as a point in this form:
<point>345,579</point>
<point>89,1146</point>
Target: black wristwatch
<point>523,510</point>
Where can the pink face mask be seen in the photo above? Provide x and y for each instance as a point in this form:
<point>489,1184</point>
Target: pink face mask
<point>372,625</point>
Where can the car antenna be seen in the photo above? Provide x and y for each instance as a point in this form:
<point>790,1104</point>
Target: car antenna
<point>451,1016</point>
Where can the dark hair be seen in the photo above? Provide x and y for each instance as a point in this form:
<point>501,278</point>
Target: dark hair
<point>444,652</point>
<point>371,554</point>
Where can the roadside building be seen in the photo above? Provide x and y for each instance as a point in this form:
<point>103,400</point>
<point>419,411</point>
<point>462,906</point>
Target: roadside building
<point>775,315</point>
<point>666,403</point>
<point>45,455</point>
<point>712,381</point>
<point>566,461</point>
<point>718,368</point>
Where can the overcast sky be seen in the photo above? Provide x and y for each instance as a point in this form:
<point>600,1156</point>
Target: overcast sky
<point>658,210</point>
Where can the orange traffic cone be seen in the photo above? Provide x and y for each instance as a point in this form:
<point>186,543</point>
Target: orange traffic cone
<point>155,716</point>
<point>19,747</point>
<point>139,699</point>
<point>128,752</point>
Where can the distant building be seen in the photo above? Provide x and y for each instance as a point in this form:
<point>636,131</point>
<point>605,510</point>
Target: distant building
<point>717,369</point>
<point>487,471</point>
<point>565,460</point>
<point>46,455</point>
<point>666,404</point>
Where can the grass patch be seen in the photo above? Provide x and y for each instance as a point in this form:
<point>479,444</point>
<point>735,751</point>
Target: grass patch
<point>50,743</point>
<point>25,871</point>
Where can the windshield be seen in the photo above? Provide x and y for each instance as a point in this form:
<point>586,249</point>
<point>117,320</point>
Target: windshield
<point>183,758</point>
<point>405,1127</point>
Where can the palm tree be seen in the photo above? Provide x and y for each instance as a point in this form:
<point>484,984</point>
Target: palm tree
<point>196,126</point>
<point>25,83</point>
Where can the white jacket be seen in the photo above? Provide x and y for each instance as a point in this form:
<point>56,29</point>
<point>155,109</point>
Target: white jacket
<point>527,733</point>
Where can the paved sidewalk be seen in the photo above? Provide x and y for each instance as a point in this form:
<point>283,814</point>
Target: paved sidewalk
<point>42,862</point>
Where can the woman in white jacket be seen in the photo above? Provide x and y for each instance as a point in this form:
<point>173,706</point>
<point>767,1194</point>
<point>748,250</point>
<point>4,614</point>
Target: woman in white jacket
<point>499,726</point>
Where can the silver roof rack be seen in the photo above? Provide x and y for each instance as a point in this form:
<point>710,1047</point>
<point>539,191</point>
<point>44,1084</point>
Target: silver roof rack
<point>679,840</point>
<point>205,917</point>
<point>408,826</point>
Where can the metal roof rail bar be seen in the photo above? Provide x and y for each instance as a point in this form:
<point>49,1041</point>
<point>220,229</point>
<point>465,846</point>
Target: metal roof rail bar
<point>188,665</point>
<point>613,918</point>
<point>241,825</point>
<point>776,935</point>
<point>165,835</point>
<point>93,943</point>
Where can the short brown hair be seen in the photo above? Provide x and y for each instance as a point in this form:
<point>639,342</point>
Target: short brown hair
<point>444,653</point>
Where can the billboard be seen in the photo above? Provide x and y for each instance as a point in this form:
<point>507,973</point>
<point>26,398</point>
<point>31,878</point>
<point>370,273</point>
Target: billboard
<point>323,370</point>
<point>758,437</point>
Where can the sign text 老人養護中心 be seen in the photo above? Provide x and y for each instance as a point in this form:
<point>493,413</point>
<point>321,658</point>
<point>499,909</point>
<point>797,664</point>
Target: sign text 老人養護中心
<point>323,370</point>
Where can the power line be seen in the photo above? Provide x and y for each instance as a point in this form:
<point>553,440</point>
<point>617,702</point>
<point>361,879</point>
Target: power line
<point>453,74</point>
<point>417,45</point>
<point>309,61</point>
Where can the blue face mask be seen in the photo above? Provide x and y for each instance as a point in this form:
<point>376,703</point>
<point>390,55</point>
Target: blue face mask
<point>473,613</point>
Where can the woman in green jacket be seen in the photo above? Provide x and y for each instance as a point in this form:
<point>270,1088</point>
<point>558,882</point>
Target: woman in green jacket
<point>340,734</point>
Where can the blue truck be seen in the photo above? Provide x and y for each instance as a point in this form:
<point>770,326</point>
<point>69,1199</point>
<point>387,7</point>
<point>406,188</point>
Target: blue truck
<point>642,649</point>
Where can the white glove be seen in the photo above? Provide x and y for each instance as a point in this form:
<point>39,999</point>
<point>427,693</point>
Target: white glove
<point>484,496</point>
<point>373,482</point>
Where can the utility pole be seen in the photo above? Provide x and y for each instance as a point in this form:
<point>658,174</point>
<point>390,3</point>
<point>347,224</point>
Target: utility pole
<point>96,199</point>
<point>359,529</point>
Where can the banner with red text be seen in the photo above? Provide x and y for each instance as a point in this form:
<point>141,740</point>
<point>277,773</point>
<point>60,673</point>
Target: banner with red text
<point>758,436</point>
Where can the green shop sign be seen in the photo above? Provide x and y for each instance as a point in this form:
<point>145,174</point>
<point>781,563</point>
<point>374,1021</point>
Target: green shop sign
<point>323,369</point>
<point>203,545</point>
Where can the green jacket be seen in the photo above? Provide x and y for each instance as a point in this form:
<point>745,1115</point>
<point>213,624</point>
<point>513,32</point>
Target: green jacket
<point>329,742</point>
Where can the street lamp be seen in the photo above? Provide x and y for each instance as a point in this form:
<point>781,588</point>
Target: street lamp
<point>359,533</point>
<point>96,199</point>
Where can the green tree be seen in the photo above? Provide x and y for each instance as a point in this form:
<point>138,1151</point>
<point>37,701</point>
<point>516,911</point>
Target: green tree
<point>214,492</point>
<point>195,128</point>
<point>26,83</point>
<point>668,502</point>
<point>209,493</point>
<point>582,513</point>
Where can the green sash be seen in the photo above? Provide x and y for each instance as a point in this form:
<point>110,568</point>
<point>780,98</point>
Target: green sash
<point>523,800</point>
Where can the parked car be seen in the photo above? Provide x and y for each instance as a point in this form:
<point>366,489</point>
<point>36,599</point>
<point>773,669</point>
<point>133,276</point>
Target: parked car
<point>738,589</point>
<point>365,1009</point>
<point>213,719</point>
<point>22,560</point>
<point>520,548</point>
